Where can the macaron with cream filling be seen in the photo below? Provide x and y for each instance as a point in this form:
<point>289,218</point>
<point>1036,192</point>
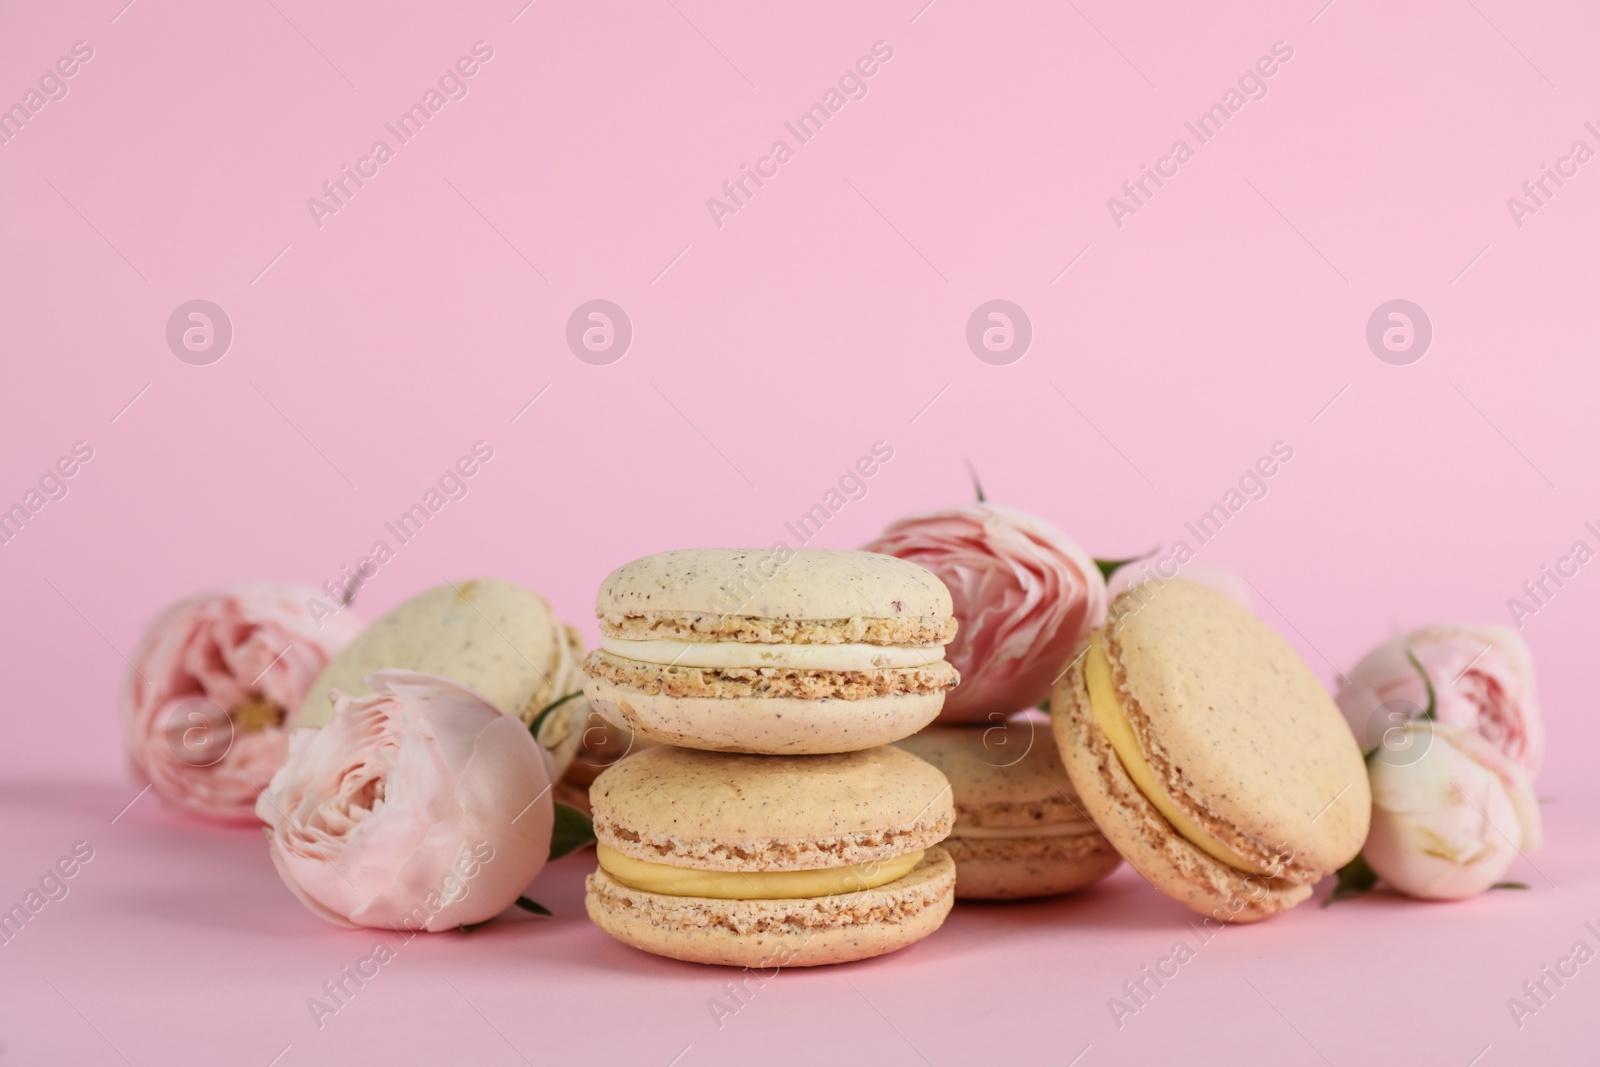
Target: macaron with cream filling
<point>770,861</point>
<point>779,651</point>
<point>1209,754</point>
<point>1020,830</point>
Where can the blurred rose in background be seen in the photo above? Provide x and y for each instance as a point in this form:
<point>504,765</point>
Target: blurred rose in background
<point>1482,678</point>
<point>216,683</point>
<point>1024,592</point>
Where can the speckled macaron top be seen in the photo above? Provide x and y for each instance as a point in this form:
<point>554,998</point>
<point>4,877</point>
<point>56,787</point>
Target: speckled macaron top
<point>494,636</point>
<point>1006,775</point>
<point>1244,737</point>
<point>730,812</point>
<point>690,593</point>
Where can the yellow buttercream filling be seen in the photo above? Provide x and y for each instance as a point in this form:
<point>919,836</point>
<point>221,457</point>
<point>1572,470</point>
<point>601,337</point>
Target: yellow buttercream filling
<point>752,885</point>
<point>735,655</point>
<point>1112,719</point>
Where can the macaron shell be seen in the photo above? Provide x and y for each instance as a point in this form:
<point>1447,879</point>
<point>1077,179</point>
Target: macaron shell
<point>772,934</point>
<point>491,635</point>
<point>1018,868</point>
<point>1005,775</point>
<point>1233,722</point>
<point>600,744</point>
<point>729,812</point>
<point>1139,832</point>
<point>800,583</point>
<point>561,738</point>
<point>572,794</point>
<point>1008,776</point>
<point>782,726</point>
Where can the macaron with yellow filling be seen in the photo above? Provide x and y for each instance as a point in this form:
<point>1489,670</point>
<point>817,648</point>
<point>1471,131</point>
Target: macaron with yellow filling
<point>770,861</point>
<point>780,651</point>
<point>1020,830</point>
<point>1209,754</point>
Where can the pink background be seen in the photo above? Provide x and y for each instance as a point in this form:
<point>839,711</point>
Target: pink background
<point>768,354</point>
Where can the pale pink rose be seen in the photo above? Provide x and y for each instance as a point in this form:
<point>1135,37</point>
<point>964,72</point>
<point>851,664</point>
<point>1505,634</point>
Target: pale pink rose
<point>1223,581</point>
<point>217,681</point>
<point>1482,682</point>
<point>1449,813</point>
<point>419,807</point>
<point>1024,593</point>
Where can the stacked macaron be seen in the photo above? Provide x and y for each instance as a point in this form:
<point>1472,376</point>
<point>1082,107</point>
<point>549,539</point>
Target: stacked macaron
<point>773,825</point>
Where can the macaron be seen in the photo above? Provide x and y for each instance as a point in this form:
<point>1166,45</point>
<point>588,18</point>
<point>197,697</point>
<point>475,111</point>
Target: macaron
<point>1020,830</point>
<point>780,651</point>
<point>770,861</point>
<point>601,743</point>
<point>1209,754</point>
<point>496,637</point>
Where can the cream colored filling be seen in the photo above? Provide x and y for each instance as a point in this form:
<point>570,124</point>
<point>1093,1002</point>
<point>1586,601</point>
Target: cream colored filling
<point>752,885</point>
<point>1112,719</point>
<point>743,654</point>
<point>1005,833</point>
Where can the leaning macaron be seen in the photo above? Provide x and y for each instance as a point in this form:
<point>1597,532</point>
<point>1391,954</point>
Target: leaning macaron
<point>601,744</point>
<point>1209,754</point>
<point>496,637</point>
<point>770,861</point>
<point>1020,830</point>
<point>781,651</point>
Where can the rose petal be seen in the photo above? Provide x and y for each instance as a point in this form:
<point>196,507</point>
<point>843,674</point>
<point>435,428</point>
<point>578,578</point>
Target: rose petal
<point>1023,594</point>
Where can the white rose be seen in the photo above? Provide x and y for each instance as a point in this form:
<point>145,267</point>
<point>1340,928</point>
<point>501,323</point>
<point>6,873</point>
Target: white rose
<point>1447,823</point>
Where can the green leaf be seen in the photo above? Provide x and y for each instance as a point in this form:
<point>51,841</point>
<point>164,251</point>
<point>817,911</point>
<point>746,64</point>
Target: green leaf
<point>1432,701</point>
<point>1355,878</point>
<point>1108,567</point>
<point>1509,885</point>
<point>977,486</point>
<point>538,720</point>
<point>467,928</point>
<point>532,905</point>
<point>573,830</point>
<point>1044,705</point>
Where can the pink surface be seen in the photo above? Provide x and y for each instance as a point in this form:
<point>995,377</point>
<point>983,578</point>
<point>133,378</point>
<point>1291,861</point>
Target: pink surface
<point>830,312</point>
